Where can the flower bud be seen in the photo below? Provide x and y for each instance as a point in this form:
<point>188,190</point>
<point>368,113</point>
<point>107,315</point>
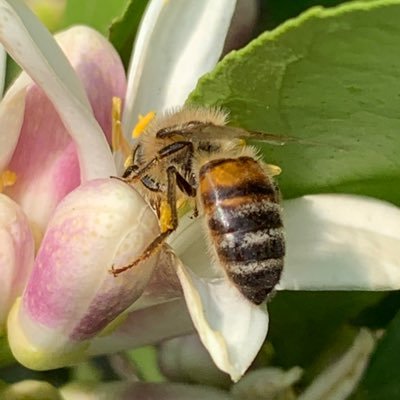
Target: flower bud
<point>72,295</point>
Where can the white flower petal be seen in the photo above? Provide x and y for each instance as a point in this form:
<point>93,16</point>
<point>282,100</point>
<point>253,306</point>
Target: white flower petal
<point>12,109</point>
<point>341,242</point>
<point>32,46</point>
<point>230,327</point>
<point>179,41</point>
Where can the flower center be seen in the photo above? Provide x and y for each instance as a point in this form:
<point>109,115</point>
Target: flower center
<point>118,141</point>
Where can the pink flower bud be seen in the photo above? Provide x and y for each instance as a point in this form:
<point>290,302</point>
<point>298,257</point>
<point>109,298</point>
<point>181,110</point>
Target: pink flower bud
<point>71,295</point>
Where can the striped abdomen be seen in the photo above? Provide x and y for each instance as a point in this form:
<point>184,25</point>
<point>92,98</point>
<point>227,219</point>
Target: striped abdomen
<point>241,205</point>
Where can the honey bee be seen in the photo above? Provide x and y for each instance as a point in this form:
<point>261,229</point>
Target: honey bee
<point>193,153</point>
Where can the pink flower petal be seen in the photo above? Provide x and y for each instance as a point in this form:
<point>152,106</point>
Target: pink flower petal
<point>99,68</point>
<point>71,294</point>
<point>45,159</point>
<point>16,254</point>
<point>11,118</point>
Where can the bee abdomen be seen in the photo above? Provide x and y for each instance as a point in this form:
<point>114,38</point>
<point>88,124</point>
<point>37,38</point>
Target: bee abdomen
<point>256,281</point>
<point>253,258</point>
<point>245,222</point>
<point>250,246</point>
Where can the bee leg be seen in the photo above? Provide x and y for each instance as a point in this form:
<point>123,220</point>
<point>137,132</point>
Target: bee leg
<point>131,169</point>
<point>150,250</point>
<point>186,188</point>
<point>124,178</point>
<point>278,194</point>
<point>168,222</point>
<point>189,189</point>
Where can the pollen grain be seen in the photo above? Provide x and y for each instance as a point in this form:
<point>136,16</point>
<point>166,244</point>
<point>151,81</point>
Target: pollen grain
<point>7,178</point>
<point>142,123</point>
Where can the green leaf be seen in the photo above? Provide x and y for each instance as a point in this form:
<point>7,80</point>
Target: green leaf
<point>96,13</point>
<point>122,32</point>
<point>330,77</point>
<point>303,324</point>
<point>381,380</point>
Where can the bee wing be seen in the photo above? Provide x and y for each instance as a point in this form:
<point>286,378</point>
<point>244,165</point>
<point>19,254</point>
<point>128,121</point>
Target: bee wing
<point>224,132</point>
<point>209,131</point>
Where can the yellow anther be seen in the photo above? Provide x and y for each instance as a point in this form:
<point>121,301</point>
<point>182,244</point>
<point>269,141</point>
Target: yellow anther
<point>142,124</point>
<point>165,217</point>
<point>116,123</point>
<point>128,161</point>
<point>273,170</point>
<point>242,142</point>
<point>118,142</point>
<point>7,178</point>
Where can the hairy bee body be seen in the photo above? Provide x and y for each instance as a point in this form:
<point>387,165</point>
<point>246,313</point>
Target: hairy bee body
<point>241,205</point>
<point>192,153</point>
